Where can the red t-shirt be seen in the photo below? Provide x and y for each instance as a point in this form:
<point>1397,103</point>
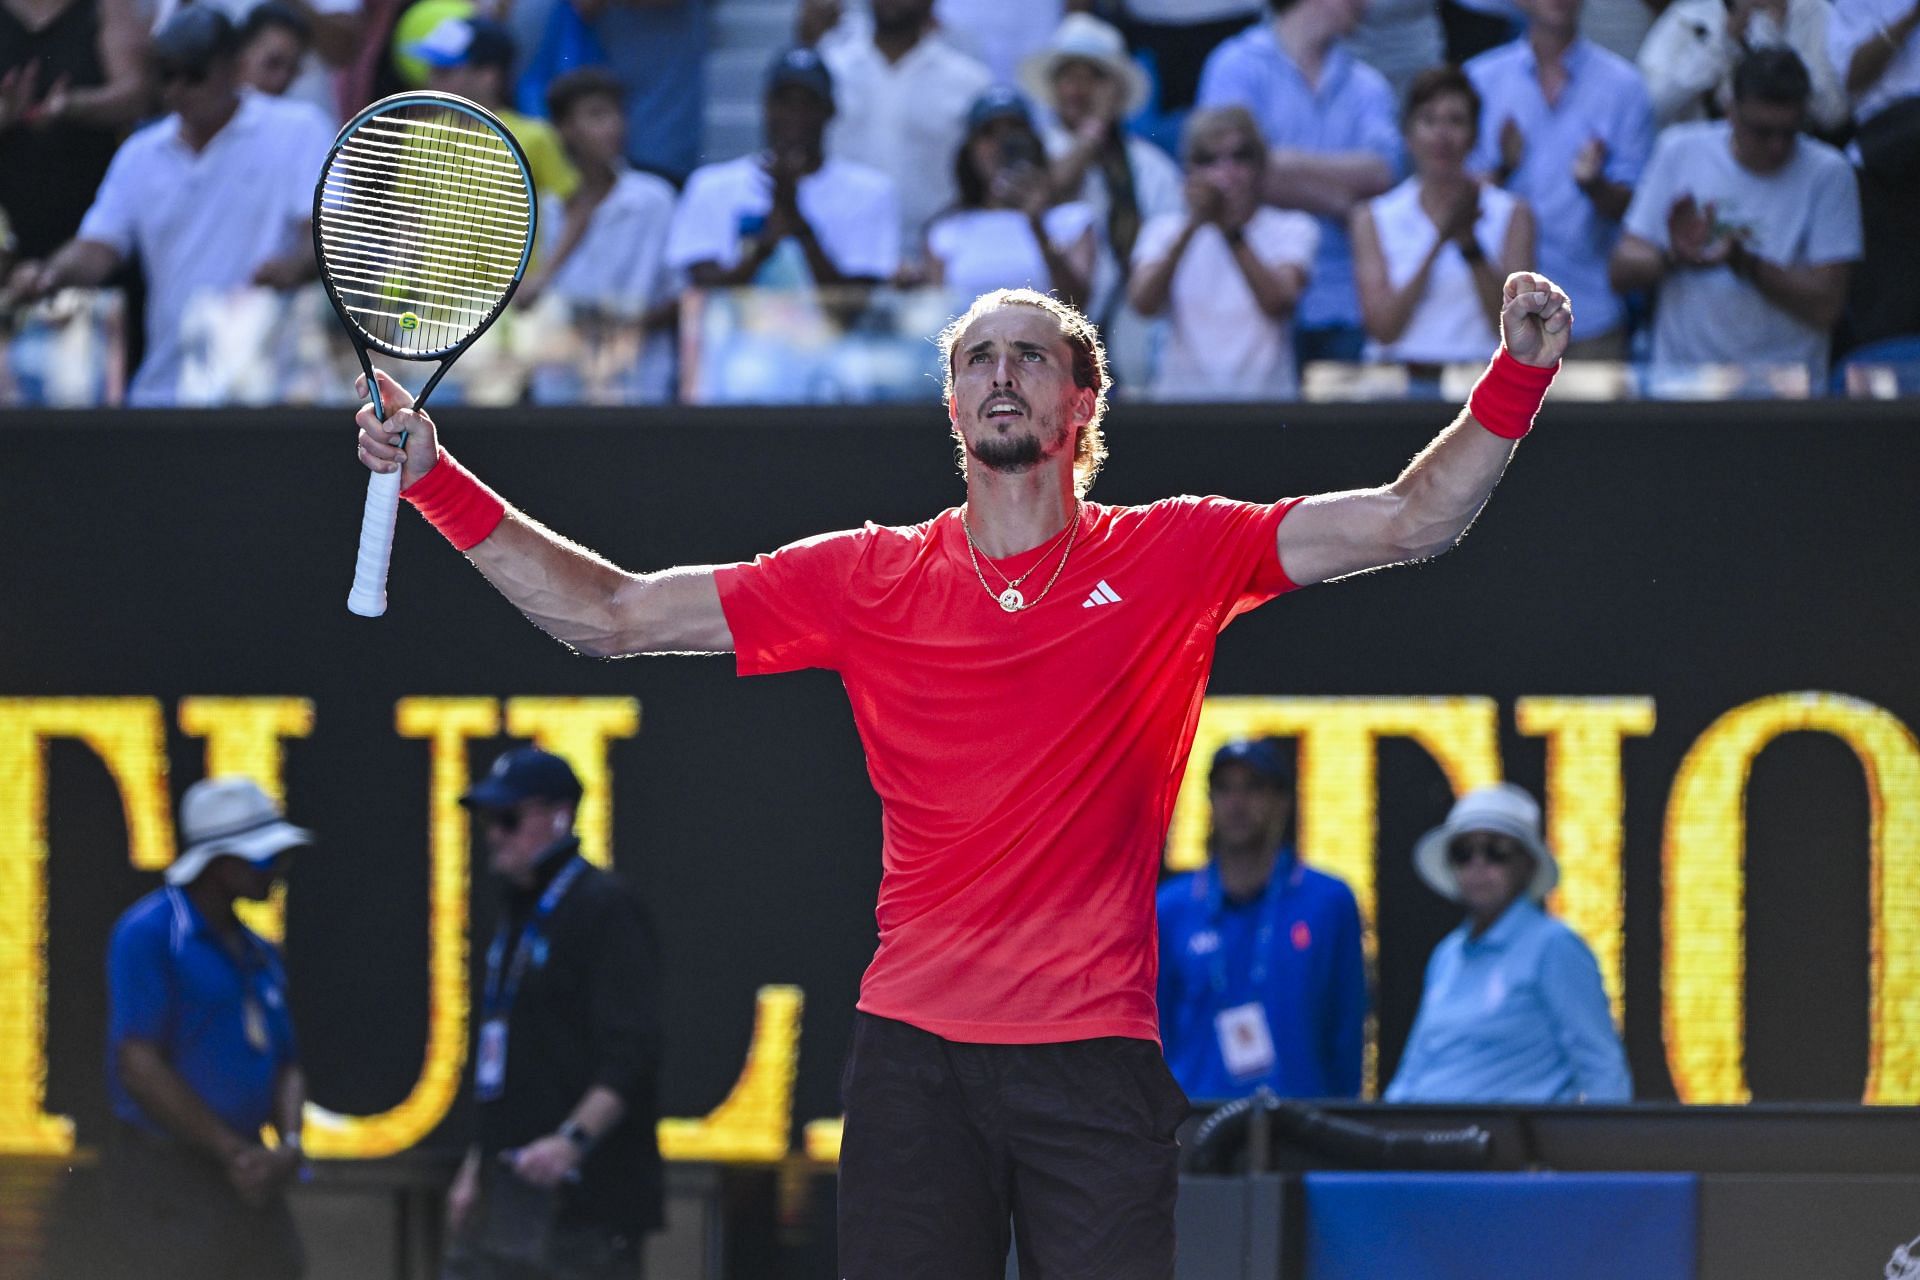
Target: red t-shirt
<point>1026,763</point>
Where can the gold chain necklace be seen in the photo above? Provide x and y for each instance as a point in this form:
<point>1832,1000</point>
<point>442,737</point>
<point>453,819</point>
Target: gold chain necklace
<point>1011,600</point>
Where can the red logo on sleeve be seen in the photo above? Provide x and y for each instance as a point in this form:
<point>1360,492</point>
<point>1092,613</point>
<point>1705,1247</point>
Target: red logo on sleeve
<point>1302,936</point>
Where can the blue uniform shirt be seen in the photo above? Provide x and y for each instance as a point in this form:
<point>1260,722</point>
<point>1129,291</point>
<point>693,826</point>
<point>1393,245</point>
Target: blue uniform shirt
<point>1518,1014</point>
<point>1351,109</point>
<point>1605,98</point>
<point>173,983</point>
<point>1295,949</point>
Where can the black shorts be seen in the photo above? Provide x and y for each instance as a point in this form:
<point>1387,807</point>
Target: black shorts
<point>949,1145</point>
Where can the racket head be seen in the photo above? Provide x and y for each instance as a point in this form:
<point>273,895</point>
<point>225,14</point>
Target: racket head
<point>423,222</point>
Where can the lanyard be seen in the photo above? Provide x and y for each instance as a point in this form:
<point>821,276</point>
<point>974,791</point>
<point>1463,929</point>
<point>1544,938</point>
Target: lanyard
<point>1270,902</point>
<point>499,997</point>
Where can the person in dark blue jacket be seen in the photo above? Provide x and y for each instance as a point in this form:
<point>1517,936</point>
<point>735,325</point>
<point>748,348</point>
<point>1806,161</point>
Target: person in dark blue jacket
<point>1262,980</point>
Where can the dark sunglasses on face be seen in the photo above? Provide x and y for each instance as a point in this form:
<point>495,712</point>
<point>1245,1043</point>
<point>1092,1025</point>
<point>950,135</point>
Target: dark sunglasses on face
<point>1239,155</point>
<point>1498,854</point>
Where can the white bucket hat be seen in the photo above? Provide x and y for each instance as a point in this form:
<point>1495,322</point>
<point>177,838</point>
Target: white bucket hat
<point>1503,809</point>
<point>230,817</point>
<point>1083,37</point>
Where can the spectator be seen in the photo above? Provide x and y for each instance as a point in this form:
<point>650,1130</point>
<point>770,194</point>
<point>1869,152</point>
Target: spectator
<point>1174,39</point>
<point>201,1055</point>
<point>1429,288</point>
<point>605,246</point>
<point>1689,56</point>
<point>1566,126</point>
<point>1514,1010</point>
<point>337,30</point>
<point>473,57</point>
<point>1399,39</point>
<point>274,40</point>
<point>1330,120</point>
<point>1874,49</point>
<point>790,216</point>
<point>200,216</point>
<point>562,1178</point>
<point>1262,980</point>
<point>658,48</point>
<point>1002,34</point>
<point>1090,86</point>
<point>73,80</point>
<point>1747,230</point>
<point>1228,269</point>
<point>1005,232</point>
<point>903,92</point>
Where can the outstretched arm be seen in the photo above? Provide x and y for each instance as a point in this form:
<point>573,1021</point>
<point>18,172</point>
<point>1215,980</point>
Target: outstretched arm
<point>1427,509</point>
<point>575,596</point>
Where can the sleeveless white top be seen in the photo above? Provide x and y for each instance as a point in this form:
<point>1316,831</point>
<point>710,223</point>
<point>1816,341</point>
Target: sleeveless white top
<point>1447,324</point>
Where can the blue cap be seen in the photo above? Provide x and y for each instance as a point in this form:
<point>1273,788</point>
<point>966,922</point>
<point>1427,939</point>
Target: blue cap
<point>803,67</point>
<point>525,773</point>
<point>1263,758</point>
<point>998,103</point>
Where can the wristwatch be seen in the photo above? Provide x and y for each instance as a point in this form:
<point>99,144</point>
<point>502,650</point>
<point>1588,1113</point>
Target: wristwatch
<point>576,1133</point>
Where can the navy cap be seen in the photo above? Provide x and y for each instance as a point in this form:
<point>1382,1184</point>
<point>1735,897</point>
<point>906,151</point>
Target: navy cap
<point>525,773</point>
<point>805,68</point>
<point>1263,758</point>
<point>998,103</point>
<point>465,42</point>
<point>193,38</point>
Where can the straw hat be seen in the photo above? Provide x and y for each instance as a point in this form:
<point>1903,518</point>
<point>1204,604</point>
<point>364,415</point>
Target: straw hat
<point>1084,38</point>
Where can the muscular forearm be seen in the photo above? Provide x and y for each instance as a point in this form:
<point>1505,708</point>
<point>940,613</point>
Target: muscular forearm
<point>1326,184</point>
<point>1443,489</point>
<point>163,1095</point>
<point>575,596</point>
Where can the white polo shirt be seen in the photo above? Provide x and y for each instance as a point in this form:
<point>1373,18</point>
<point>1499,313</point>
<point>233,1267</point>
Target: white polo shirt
<point>850,207</point>
<point>206,219</point>
<point>905,118</point>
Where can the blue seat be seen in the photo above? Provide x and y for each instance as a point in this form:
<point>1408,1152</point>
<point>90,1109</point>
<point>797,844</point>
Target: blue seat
<point>1900,350</point>
<point>1475,1226</point>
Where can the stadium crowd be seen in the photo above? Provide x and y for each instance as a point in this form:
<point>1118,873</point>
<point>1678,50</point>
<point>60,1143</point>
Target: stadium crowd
<point>1230,193</point>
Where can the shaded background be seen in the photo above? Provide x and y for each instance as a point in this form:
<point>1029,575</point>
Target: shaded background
<point>1704,555</point>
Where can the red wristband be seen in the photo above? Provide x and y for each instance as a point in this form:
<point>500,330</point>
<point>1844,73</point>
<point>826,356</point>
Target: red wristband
<point>1508,395</point>
<point>454,502</point>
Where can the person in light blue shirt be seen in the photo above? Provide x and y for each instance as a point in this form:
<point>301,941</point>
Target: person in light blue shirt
<point>1514,1009</point>
<point>1333,126</point>
<point>1567,126</point>
<point>1262,980</point>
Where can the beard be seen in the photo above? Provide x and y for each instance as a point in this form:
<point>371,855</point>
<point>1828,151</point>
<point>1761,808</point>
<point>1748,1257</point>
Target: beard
<point>1014,454</point>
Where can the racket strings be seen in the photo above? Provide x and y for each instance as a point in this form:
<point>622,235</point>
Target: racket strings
<point>424,219</point>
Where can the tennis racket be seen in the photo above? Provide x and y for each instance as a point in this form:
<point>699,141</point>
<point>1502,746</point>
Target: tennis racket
<point>422,223</point>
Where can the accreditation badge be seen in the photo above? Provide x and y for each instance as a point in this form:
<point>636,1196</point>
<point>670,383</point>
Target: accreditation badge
<point>253,1020</point>
<point>490,1062</point>
<point>1246,1046</point>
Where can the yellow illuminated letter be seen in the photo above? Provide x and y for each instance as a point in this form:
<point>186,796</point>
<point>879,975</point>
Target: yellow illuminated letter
<point>579,729</point>
<point>1703,961</point>
<point>243,738</point>
<point>755,1121</point>
<point>1586,810</point>
<point>129,736</point>
<point>448,724</point>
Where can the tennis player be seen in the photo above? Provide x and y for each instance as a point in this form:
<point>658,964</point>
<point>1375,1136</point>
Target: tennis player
<point>1026,674</point>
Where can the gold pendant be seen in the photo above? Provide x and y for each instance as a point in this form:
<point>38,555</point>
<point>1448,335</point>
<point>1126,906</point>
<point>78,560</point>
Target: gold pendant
<point>1012,601</point>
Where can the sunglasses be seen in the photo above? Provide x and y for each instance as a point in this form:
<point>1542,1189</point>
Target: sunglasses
<point>1497,853</point>
<point>1239,155</point>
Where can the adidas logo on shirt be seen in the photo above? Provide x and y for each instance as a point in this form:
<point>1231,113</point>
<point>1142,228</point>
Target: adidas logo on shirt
<point>1102,594</point>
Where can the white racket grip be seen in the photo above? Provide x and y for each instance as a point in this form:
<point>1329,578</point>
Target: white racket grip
<point>369,595</point>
